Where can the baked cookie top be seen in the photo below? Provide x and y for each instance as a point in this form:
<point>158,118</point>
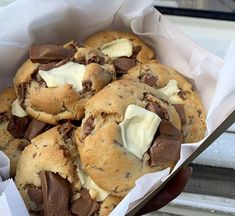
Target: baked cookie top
<point>56,81</point>
<point>100,139</point>
<point>125,48</point>
<point>48,177</point>
<point>186,100</point>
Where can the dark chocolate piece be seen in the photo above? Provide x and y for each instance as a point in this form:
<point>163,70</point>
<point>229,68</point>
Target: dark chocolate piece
<point>17,126</point>
<point>149,79</point>
<point>47,66</point>
<point>135,51</point>
<point>96,59</point>
<point>123,64</point>
<point>88,125</point>
<point>35,195</point>
<point>55,194</point>
<point>4,117</point>
<point>180,110</point>
<point>35,128</point>
<point>66,131</point>
<point>23,143</point>
<point>164,150</point>
<point>48,52</point>
<point>85,205</point>
<point>154,107</point>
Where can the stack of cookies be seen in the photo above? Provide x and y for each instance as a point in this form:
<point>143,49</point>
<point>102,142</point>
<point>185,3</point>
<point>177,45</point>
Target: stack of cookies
<point>84,122</point>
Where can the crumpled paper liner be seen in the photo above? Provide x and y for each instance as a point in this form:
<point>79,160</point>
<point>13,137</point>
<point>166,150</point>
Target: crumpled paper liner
<point>27,22</point>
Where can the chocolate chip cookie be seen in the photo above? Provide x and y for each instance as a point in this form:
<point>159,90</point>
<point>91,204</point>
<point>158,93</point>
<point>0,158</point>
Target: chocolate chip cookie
<point>105,158</point>
<point>186,101</point>
<point>15,131</point>
<point>125,48</point>
<point>56,81</point>
<point>48,177</point>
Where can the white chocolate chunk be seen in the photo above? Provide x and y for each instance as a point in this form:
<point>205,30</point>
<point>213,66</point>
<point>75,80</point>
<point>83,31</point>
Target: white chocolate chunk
<point>95,191</point>
<point>138,129</point>
<point>17,110</point>
<point>71,73</point>
<point>171,90</point>
<point>118,48</point>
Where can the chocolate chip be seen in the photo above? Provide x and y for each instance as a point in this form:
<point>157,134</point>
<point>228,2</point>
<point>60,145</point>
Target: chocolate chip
<point>183,94</point>
<point>149,79</point>
<point>35,195</point>
<point>55,194</point>
<point>48,52</point>
<point>123,64</point>
<point>180,110</point>
<point>35,128</point>
<point>85,205</point>
<point>96,59</point>
<point>4,117</point>
<point>22,89</point>
<point>87,85</point>
<point>164,150</point>
<point>88,125</point>
<point>167,129</point>
<point>17,126</point>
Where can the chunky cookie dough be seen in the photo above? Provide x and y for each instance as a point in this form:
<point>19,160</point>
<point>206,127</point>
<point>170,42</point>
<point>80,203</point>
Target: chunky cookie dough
<point>103,154</point>
<point>124,48</point>
<point>56,81</point>
<point>180,94</point>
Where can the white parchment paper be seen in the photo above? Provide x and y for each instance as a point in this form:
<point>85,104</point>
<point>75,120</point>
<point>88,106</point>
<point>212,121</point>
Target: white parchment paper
<point>26,22</point>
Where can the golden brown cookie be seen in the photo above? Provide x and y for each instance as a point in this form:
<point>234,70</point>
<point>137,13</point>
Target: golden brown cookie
<point>102,153</point>
<point>56,81</point>
<point>129,54</point>
<point>187,101</point>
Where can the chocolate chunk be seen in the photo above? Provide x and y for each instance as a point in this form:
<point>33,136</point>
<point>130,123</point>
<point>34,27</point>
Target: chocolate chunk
<point>23,143</point>
<point>35,128</point>
<point>47,66</point>
<point>85,205</point>
<point>48,52</point>
<point>17,126</point>
<point>154,107</point>
<point>88,125</point>
<point>164,150</point>
<point>66,131</point>
<point>167,129</point>
<point>22,89</point>
<point>87,85</point>
<point>135,51</point>
<point>149,79</point>
<point>55,194</point>
<point>180,110</point>
<point>123,64</point>
<point>96,59</point>
<point>4,117</point>
<point>35,195</point>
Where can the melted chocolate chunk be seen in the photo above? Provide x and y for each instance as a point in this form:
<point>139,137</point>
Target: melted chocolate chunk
<point>161,112</point>
<point>85,205</point>
<point>167,129</point>
<point>180,110</point>
<point>149,79</point>
<point>87,85</point>
<point>35,195</point>
<point>88,125</point>
<point>135,51</point>
<point>164,150</point>
<point>17,126</point>
<point>35,128</point>
<point>22,89</point>
<point>55,194</point>
<point>47,53</point>
<point>123,64</point>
